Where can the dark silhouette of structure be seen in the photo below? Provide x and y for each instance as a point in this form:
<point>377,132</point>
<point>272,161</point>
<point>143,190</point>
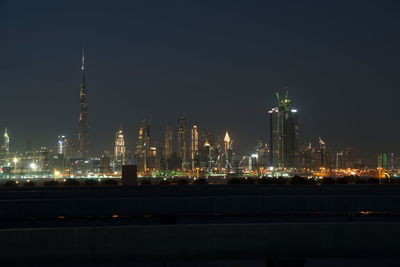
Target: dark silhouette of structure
<point>283,134</point>
<point>120,225</point>
<point>129,175</point>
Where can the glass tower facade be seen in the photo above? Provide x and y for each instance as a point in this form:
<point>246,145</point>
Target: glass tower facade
<point>283,134</point>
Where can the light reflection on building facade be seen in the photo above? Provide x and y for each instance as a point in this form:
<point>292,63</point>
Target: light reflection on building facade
<point>119,148</point>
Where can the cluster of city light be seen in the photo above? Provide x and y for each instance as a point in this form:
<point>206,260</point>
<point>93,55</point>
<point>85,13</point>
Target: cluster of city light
<point>35,165</point>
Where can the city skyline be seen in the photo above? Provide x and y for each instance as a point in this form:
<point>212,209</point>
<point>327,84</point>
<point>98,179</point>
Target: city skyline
<point>199,133</point>
<point>183,137</point>
<point>337,86</point>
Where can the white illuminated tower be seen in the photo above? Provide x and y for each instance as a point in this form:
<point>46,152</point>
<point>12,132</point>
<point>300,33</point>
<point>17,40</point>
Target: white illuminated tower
<point>194,145</point>
<point>120,150</point>
<point>83,141</point>
<point>227,143</point>
<point>6,141</point>
<point>227,150</point>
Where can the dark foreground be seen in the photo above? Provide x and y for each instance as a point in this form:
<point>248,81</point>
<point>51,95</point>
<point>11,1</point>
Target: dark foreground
<point>201,225</point>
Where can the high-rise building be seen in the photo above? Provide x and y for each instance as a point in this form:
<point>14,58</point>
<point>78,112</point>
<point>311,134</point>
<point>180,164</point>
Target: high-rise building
<point>283,134</point>
<point>119,149</point>
<point>168,142</point>
<point>105,163</point>
<point>322,148</point>
<point>383,161</point>
<point>206,157</point>
<point>228,151</point>
<point>391,161</point>
<point>143,146</point>
<point>63,146</point>
<point>263,153</point>
<point>194,146</point>
<point>348,157</point>
<point>83,141</point>
<point>182,142</point>
<point>314,157</point>
<point>6,141</point>
<point>152,162</point>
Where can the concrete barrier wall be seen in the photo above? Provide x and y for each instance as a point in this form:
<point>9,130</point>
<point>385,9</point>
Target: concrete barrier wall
<point>193,190</point>
<point>51,208</point>
<point>200,242</point>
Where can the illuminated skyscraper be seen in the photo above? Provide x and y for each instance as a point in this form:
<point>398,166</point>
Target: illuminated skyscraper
<point>207,158</point>
<point>283,134</point>
<point>310,157</point>
<point>6,141</point>
<point>227,143</point>
<point>322,148</point>
<point>143,146</point>
<point>182,141</point>
<point>194,146</point>
<point>166,159</point>
<point>228,151</point>
<point>62,145</point>
<point>152,162</point>
<point>105,162</point>
<point>168,142</point>
<point>83,141</point>
<point>348,157</point>
<point>263,153</point>
<point>119,149</point>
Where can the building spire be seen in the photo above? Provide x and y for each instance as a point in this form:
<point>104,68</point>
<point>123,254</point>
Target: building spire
<point>227,138</point>
<point>83,114</point>
<point>83,59</point>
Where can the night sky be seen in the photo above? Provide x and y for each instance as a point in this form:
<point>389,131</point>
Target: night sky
<point>218,63</point>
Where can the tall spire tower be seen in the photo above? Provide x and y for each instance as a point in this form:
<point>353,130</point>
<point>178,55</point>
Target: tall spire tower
<point>83,114</point>
<point>6,141</point>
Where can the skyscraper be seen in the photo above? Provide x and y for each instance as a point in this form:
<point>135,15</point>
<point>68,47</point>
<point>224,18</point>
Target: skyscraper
<point>143,146</point>
<point>182,141</point>
<point>119,149</point>
<point>263,153</point>
<point>228,151</point>
<point>62,145</point>
<point>283,133</point>
<point>6,141</point>
<point>322,148</point>
<point>310,157</point>
<point>168,142</point>
<point>194,146</point>
<point>83,114</point>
